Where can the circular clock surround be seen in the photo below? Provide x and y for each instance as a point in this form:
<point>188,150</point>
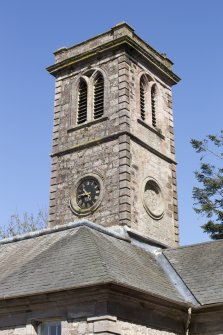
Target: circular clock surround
<point>153,198</point>
<point>87,194</point>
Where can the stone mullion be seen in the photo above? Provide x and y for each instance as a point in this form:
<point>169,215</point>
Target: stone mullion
<point>53,180</point>
<point>124,143</point>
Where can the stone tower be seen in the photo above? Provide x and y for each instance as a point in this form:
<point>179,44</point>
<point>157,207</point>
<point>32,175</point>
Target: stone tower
<point>113,157</point>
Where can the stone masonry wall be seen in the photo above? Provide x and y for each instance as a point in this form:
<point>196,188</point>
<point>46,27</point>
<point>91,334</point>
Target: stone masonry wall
<point>153,155</point>
<point>102,160</point>
<point>103,325</point>
<point>77,149</point>
<point>144,165</point>
<point>133,329</point>
<point>121,148</point>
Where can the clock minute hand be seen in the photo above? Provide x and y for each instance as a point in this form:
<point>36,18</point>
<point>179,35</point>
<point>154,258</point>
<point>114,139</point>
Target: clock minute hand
<point>87,193</point>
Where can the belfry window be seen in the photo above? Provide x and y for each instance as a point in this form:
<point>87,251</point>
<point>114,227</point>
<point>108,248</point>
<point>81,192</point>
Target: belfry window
<point>153,105</point>
<point>148,100</point>
<point>98,96</point>
<point>142,99</point>
<point>82,102</point>
<point>90,97</point>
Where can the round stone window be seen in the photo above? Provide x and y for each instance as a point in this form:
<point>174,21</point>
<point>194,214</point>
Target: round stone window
<point>153,198</point>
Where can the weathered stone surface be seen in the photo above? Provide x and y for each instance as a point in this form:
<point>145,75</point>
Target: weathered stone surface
<point>133,329</point>
<point>89,328</point>
<point>114,146</point>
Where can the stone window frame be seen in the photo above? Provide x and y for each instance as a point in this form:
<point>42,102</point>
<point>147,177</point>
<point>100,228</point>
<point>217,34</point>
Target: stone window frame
<point>149,84</point>
<point>90,77</point>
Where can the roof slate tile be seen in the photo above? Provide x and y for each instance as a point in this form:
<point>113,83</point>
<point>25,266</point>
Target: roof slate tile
<point>75,258</point>
<point>201,268</point>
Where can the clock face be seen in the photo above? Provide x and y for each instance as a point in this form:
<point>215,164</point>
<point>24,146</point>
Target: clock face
<point>88,192</point>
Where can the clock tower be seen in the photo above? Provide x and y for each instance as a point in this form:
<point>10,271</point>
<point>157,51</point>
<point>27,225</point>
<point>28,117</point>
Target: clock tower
<point>113,157</point>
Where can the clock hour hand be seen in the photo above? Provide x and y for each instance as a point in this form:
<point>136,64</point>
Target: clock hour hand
<point>84,195</point>
<point>87,193</point>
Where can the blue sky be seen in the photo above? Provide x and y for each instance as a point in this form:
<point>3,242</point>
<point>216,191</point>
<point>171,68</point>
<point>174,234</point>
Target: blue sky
<point>190,32</point>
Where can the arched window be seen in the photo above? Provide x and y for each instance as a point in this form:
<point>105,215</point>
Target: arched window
<point>82,102</point>
<point>148,100</point>
<point>142,99</point>
<point>98,96</point>
<point>153,105</point>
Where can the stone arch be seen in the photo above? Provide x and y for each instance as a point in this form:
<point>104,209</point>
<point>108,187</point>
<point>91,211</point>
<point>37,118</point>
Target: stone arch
<point>82,101</point>
<point>74,98</point>
<point>148,101</point>
<point>98,72</point>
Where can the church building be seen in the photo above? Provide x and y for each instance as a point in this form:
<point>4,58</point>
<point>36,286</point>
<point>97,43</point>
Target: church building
<point>110,262</point>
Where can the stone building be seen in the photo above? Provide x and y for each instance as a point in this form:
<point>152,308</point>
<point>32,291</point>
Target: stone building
<point>110,262</point>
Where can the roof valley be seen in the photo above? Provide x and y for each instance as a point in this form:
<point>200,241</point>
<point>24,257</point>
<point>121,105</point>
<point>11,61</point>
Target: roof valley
<point>176,279</point>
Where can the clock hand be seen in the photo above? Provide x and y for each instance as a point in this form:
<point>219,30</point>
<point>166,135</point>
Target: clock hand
<point>84,194</point>
<point>85,191</point>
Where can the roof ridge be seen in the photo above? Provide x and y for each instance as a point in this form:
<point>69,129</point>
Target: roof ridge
<point>194,245</point>
<point>104,263</point>
<point>59,228</point>
<point>113,276</point>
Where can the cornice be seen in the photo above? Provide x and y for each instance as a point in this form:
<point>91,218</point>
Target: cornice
<point>126,42</point>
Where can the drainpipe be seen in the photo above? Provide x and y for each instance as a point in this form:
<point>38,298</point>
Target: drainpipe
<point>189,312</point>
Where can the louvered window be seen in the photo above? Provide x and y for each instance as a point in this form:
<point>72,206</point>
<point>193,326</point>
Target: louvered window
<point>142,100</point>
<point>82,102</point>
<point>98,97</point>
<point>153,105</point>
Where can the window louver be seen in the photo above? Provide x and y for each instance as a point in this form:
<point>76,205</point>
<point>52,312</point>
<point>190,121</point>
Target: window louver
<point>98,97</point>
<point>142,100</point>
<point>82,103</point>
<point>153,105</point>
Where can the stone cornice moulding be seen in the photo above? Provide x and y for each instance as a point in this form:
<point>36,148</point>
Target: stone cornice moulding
<point>125,41</point>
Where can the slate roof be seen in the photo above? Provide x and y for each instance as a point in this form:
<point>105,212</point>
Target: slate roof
<point>75,258</point>
<point>81,255</point>
<point>201,268</point>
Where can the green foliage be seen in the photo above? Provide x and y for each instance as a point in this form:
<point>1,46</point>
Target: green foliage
<point>208,196</point>
<point>18,225</point>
